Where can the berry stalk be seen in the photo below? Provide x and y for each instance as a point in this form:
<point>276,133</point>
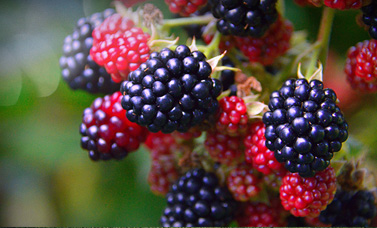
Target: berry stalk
<point>199,20</point>
<point>320,53</point>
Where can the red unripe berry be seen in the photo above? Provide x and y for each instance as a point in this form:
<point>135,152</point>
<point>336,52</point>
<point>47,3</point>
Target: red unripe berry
<point>273,44</point>
<point>243,182</point>
<point>257,153</point>
<point>343,4</point>
<point>361,66</point>
<point>258,214</point>
<point>233,119</point>
<point>119,46</point>
<point>185,7</point>
<point>164,169</point>
<point>106,131</point>
<point>307,197</point>
<point>223,148</point>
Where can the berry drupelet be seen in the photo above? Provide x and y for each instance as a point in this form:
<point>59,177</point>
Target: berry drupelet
<point>185,7</point>
<point>307,197</point>
<point>370,18</point>
<point>243,182</point>
<point>272,45</point>
<point>350,209</point>
<point>106,133</point>
<point>361,65</point>
<point>164,170</point>
<point>244,17</point>
<point>343,4</point>
<point>78,68</point>
<point>197,199</point>
<point>119,46</point>
<point>233,119</point>
<point>258,214</point>
<point>304,126</point>
<point>257,153</point>
<point>223,148</point>
<point>171,91</point>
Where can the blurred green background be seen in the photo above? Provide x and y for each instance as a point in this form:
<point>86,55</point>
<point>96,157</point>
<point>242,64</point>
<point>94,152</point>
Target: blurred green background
<point>46,179</point>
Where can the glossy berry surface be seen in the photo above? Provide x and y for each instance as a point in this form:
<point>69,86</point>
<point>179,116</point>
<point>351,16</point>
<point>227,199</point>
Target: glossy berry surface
<point>197,199</point>
<point>119,46</point>
<point>370,18</point>
<point>233,119</point>
<point>224,148</point>
<point>273,44</point>
<point>244,17</point>
<point>256,152</point>
<point>243,182</point>
<point>185,7</point>
<point>106,133</point>
<point>227,77</point>
<point>78,68</point>
<point>343,4</point>
<point>258,214</point>
<point>361,66</point>
<point>164,169</point>
<point>307,197</point>
<point>304,126</point>
<point>350,208</point>
<point>171,91</point>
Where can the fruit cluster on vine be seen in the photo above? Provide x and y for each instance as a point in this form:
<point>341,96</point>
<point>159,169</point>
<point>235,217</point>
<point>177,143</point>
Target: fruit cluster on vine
<point>237,121</point>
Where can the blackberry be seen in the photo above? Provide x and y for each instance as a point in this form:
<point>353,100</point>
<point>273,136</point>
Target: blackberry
<point>227,76</point>
<point>78,68</point>
<point>244,17</point>
<point>106,133</point>
<point>171,91</point>
<point>370,18</point>
<point>197,199</point>
<point>304,126</point>
<point>350,208</point>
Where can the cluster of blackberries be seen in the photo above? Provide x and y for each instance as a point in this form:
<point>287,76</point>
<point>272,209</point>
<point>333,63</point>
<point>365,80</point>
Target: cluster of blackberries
<point>198,200</point>
<point>78,68</point>
<point>304,126</point>
<point>349,209</point>
<point>244,17</point>
<point>370,18</point>
<point>171,91</point>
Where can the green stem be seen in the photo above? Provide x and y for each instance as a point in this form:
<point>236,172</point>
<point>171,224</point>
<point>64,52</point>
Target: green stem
<point>200,20</point>
<point>323,38</point>
<point>213,45</point>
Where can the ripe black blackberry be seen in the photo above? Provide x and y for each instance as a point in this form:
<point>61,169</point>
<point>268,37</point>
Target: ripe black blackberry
<point>106,133</point>
<point>244,17</point>
<point>78,68</point>
<point>350,209</point>
<point>304,126</point>
<point>171,91</point>
<point>370,18</point>
<point>198,200</point>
